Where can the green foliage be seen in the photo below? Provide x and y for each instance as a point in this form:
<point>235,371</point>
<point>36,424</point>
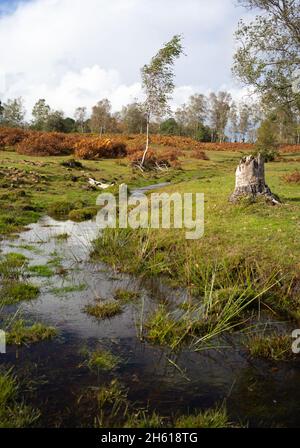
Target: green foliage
<point>267,144</point>
<point>268,53</point>
<point>203,133</point>
<point>158,77</point>
<point>169,127</point>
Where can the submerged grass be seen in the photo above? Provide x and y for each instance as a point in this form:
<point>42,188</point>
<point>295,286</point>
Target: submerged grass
<point>68,289</point>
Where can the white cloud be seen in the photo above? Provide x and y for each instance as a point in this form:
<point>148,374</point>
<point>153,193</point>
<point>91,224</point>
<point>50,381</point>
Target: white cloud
<point>75,52</point>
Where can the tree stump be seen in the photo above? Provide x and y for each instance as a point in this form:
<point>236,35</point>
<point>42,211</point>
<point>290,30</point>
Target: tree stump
<point>250,180</point>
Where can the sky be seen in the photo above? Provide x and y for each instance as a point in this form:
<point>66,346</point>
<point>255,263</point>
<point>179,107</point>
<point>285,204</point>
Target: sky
<point>76,52</point>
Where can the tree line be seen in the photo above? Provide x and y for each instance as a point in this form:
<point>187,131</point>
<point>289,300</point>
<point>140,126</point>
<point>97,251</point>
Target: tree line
<point>267,59</point>
<point>212,118</point>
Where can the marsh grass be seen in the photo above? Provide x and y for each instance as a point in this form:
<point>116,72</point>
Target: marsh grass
<point>60,209</point>
<point>14,292</point>
<point>102,360</point>
<point>115,410</point>
<point>83,214</point>
<point>68,289</point>
<point>13,266</point>
<point>207,318</point>
<point>113,404</point>
<point>21,334</point>
<point>276,347</point>
<point>211,418</point>
<point>103,310</point>
<point>144,419</point>
<point>125,296</point>
<point>40,271</point>
<point>14,413</point>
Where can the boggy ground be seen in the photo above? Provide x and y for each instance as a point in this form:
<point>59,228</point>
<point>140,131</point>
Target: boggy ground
<point>246,264</point>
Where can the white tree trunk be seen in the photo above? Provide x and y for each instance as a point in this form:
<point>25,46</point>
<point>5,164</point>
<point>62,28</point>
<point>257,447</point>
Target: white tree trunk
<point>250,180</point>
<point>147,144</point>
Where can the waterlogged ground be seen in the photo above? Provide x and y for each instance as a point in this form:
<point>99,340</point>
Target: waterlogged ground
<point>61,385</point>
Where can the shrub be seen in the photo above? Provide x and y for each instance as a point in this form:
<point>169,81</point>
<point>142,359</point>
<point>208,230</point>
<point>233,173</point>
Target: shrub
<point>46,144</point>
<point>12,136</point>
<point>155,159</point>
<point>99,148</point>
<point>293,178</point>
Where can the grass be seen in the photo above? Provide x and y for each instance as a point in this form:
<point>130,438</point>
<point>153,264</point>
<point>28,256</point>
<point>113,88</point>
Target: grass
<point>17,291</point>
<point>255,231</point>
<point>68,289</point>
<point>125,296</point>
<point>21,334</point>
<point>41,271</point>
<point>216,311</point>
<point>13,265</point>
<point>113,404</point>
<point>274,347</point>
<point>83,214</point>
<point>13,412</point>
<point>103,310</point>
<point>102,360</point>
<point>115,410</point>
<point>144,419</point>
<point>212,418</point>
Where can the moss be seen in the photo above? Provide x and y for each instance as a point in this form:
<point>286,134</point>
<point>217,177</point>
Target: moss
<point>103,310</point>
<point>17,291</point>
<point>21,334</point>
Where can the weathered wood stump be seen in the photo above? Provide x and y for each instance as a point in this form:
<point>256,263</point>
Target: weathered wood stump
<point>250,180</point>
